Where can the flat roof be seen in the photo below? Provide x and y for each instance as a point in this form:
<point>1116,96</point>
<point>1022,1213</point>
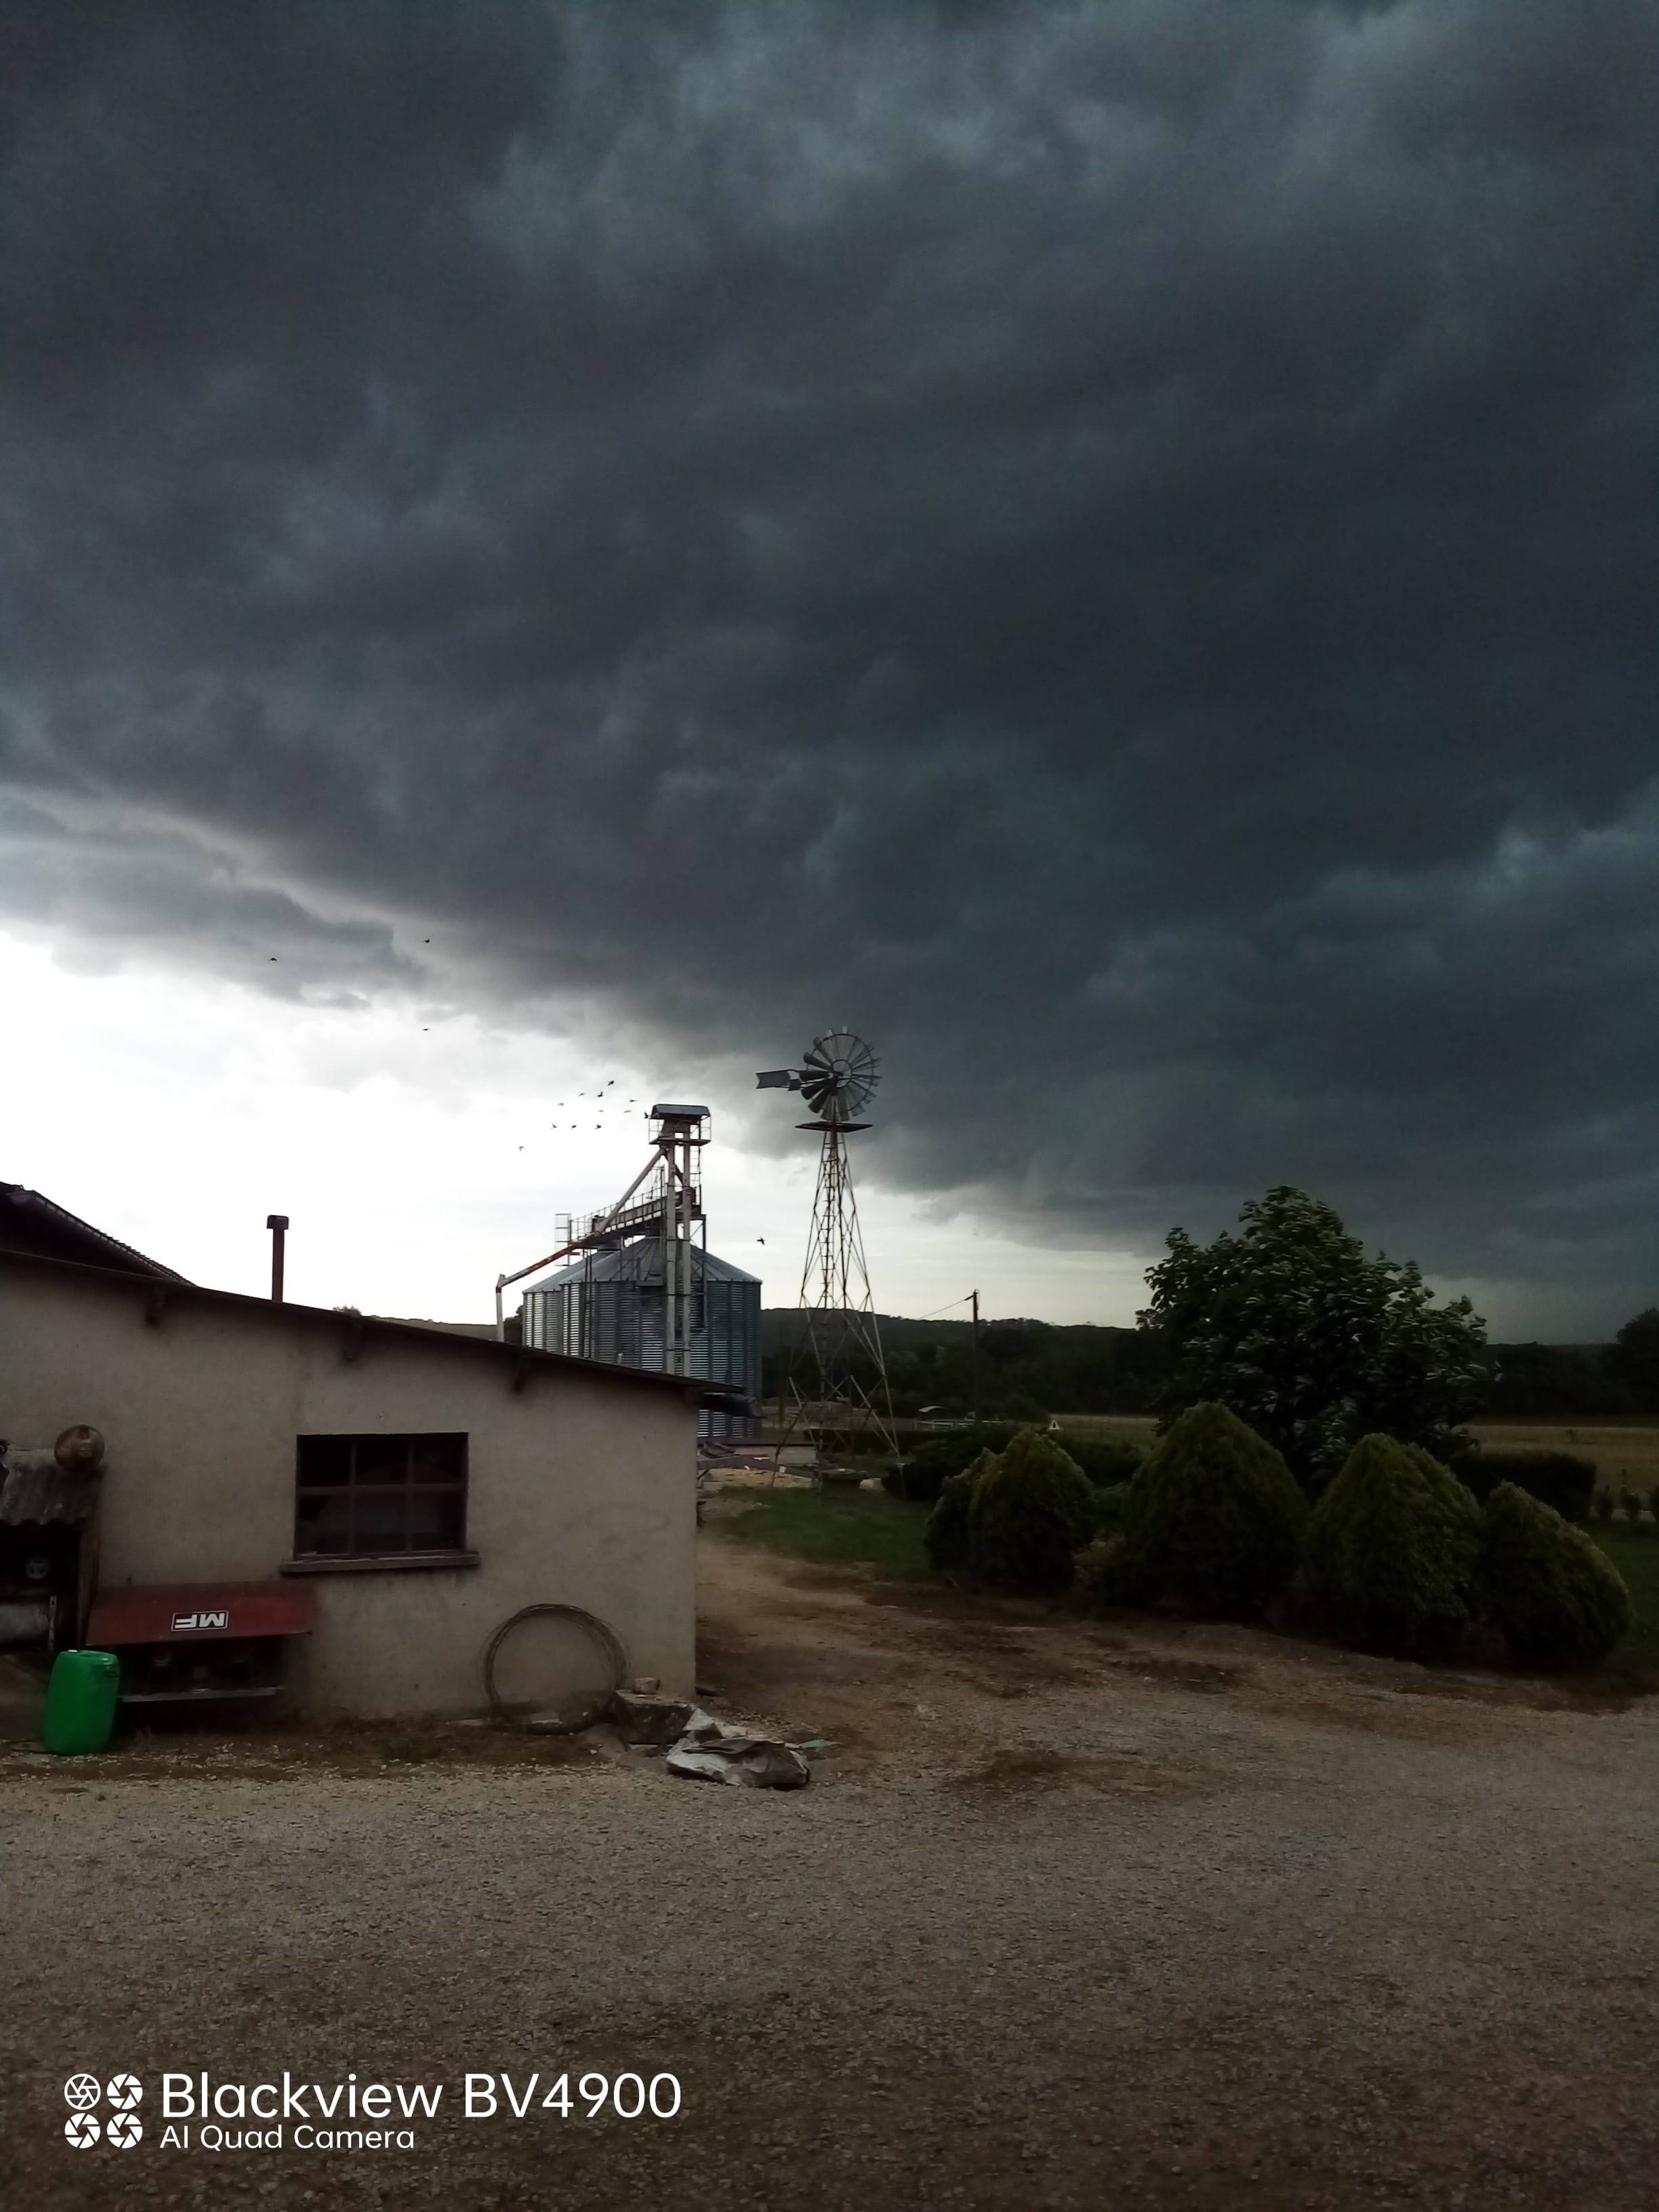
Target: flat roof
<point>520,1357</point>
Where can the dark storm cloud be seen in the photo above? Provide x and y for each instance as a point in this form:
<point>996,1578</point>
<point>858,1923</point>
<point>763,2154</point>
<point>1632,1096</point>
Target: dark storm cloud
<point>1110,547</point>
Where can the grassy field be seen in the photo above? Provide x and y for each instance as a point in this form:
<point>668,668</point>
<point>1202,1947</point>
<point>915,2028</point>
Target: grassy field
<point>1636,1555</point>
<point>1623,1451</point>
<point>839,1528</point>
<point>1111,1428</point>
<point>868,1528</point>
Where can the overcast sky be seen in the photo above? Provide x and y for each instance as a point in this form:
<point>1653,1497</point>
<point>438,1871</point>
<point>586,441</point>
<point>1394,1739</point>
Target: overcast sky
<point>1109,546</point>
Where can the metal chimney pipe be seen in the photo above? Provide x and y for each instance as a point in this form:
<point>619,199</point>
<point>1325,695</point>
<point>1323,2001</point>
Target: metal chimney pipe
<point>278,1224</point>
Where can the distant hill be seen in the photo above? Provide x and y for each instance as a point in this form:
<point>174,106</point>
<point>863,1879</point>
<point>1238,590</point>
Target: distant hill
<point>479,1329</point>
<point>1024,1368</point>
<point>1020,1368</point>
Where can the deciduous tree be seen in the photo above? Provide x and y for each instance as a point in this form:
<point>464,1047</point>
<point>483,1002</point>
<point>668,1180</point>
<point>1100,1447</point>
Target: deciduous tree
<point>1311,1341</point>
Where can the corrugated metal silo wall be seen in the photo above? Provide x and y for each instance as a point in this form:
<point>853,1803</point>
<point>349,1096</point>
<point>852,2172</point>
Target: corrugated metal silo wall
<point>725,1347</point>
<point>621,1323</point>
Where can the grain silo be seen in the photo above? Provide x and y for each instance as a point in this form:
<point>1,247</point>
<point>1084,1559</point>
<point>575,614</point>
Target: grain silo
<point>640,1289</point>
<point>610,1304</point>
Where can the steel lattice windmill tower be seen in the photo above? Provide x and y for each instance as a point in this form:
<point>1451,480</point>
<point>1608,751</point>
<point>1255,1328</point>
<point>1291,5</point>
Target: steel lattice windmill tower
<point>836,1377</point>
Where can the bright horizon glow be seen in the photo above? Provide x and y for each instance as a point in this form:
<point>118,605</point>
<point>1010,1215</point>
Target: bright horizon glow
<point>412,1149</point>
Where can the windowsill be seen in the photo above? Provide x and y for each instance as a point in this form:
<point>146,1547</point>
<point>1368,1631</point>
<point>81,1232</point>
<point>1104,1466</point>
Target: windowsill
<point>387,1563</point>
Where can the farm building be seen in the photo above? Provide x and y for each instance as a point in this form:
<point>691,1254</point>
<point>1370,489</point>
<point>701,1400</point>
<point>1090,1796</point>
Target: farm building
<point>384,1497</point>
<point>610,1304</point>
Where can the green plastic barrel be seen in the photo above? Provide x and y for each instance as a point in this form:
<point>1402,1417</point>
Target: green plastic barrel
<point>81,1697</point>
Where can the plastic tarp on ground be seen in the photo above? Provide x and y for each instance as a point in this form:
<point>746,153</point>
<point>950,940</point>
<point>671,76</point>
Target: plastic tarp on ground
<point>710,1751</point>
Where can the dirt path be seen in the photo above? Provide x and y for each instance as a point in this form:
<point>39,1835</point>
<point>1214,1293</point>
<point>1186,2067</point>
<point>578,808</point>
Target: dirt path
<point>1069,1918</point>
<point>908,1677</point>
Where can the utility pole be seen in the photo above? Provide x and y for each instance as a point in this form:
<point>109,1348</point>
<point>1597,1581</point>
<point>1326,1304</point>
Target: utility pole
<point>974,1296</point>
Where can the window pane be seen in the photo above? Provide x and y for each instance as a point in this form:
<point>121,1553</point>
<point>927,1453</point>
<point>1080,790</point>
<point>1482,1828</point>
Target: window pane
<point>382,1459</point>
<point>379,1520</point>
<point>324,1460</point>
<point>437,1459</point>
<point>322,1525</point>
<point>437,1520</point>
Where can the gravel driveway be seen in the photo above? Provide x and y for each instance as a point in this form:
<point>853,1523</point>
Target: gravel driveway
<point>1069,1918</point>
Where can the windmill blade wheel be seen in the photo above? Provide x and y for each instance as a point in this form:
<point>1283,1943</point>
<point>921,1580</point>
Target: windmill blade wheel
<point>839,1075</point>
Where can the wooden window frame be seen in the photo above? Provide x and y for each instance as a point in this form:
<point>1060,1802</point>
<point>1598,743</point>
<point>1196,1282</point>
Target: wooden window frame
<point>409,1489</point>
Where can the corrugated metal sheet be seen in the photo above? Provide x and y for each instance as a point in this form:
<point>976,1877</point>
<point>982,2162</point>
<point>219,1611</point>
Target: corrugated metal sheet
<point>609,1306</point>
<point>37,1490</point>
<point>30,1223</point>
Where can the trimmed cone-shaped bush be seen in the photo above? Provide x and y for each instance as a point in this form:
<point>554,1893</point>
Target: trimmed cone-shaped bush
<point>1028,1515</point>
<point>1559,1478</point>
<point>1112,1508</point>
<point>945,1535</point>
<point>1109,1575</point>
<point>1559,1599</point>
<point>1107,1462</point>
<point>926,1470</point>
<point>1215,1517</point>
<point>1393,1552</point>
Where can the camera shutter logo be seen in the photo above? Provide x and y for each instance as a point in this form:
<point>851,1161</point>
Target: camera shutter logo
<point>123,2091</point>
<point>124,2131</point>
<point>81,2092</point>
<point>83,2130</point>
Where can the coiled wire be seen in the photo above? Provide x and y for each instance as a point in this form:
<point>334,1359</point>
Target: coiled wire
<point>606,1639</point>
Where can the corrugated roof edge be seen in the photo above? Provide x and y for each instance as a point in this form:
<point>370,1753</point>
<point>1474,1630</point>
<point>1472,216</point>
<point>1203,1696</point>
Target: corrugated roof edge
<point>18,1193</point>
<point>372,1325</point>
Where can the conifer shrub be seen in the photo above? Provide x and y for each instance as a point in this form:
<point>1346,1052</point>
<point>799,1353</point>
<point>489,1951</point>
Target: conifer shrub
<point>945,1536</point>
<point>929,1466</point>
<point>1107,1461</point>
<point>1393,1552</point>
<point>1436,1471</point>
<point>1559,1478</point>
<point>1029,1513</point>
<point>1215,1517</point>
<point>1559,1599</point>
<point>1111,1507</point>
<point>1108,1575</point>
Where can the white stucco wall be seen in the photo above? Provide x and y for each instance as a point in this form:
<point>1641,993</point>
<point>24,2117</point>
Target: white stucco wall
<point>581,1489</point>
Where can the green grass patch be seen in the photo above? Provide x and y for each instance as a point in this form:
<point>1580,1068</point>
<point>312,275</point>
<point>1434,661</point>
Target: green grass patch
<point>1636,1554</point>
<point>837,1528</point>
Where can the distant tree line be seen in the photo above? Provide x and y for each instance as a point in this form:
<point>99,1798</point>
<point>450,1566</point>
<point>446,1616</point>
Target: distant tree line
<point>1022,1369</point>
<point>1014,1371</point>
<point>1544,1379</point>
